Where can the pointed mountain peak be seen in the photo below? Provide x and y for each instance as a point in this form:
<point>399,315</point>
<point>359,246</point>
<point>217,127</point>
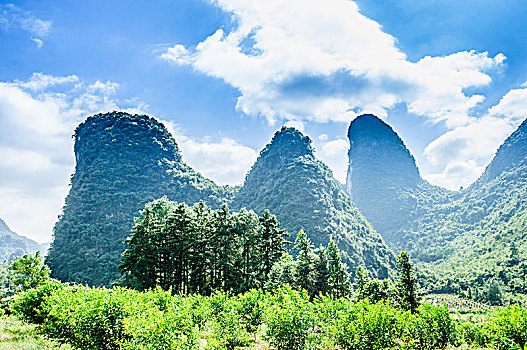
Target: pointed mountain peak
<point>288,143</point>
<point>3,226</point>
<point>510,154</point>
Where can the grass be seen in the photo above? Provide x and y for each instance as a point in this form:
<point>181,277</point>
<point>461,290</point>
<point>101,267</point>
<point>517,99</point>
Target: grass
<point>17,335</point>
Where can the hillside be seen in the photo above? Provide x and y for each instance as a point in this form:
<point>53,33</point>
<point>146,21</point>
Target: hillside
<point>480,239</point>
<point>122,162</point>
<point>475,239</point>
<point>13,245</point>
<point>301,191</point>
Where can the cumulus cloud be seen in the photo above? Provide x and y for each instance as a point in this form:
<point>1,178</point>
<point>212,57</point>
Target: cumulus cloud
<point>464,152</point>
<point>12,16</point>
<point>37,119</point>
<point>226,162</point>
<point>513,105</point>
<point>302,61</point>
<point>334,153</point>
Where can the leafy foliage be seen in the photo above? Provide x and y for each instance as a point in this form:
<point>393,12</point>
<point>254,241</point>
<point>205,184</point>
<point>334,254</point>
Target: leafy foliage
<point>29,271</point>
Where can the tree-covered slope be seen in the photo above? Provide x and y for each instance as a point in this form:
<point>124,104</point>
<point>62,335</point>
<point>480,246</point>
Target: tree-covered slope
<point>13,245</point>
<point>301,191</point>
<point>383,179</point>
<point>481,237</point>
<point>123,161</point>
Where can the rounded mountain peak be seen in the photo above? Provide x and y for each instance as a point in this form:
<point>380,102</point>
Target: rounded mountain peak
<point>288,143</point>
<point>118,134</point>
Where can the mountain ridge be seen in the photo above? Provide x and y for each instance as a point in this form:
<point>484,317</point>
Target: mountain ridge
<point>124,161</point>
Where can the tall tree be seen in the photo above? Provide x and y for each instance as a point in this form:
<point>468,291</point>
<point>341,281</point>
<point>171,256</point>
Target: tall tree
<point>339,283</point>
<point>304,272</point>
<point>407,287</point>
<point>272,243</point>
<point>322,274</point>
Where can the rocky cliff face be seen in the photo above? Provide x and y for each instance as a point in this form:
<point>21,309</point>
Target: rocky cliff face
<point>301,191</point>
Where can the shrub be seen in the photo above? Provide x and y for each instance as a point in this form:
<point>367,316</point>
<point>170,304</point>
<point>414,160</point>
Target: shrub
<point>431,328</point>
<point>362,325</point>
<point>31,306</point>
<point>250,308</point>
<point>289,318</point>
<point>474,334</point>
<point>88,318</point>
<point>153,328</point>
<point>509,327</point>
<point>228,329</point>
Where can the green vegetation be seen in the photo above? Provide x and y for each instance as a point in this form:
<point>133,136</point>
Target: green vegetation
<point>17,335</point>
<point>125,161</point>
<point>285,318</point>
<point>199,250</point>
<point>13,246</point>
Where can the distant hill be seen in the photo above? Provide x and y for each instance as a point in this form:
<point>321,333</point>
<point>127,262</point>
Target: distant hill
<point>301,191</point>
<point>13,245</point>
<point>463,240</point>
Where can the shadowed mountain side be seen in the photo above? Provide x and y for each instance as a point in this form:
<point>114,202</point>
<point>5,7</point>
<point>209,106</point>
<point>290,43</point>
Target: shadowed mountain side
<point>383,179</point>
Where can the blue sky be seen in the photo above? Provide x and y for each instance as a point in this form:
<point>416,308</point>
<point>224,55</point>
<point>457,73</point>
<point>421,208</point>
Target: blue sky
<point>224,75</point>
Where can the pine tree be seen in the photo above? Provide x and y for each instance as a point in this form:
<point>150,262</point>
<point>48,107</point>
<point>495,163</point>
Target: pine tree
<point>304,273</point>
<point>407,287</point>
<point>322,275</point>
<point>271,244</point>
<point>339,278</point>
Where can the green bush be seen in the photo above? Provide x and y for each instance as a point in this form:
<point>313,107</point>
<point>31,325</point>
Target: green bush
<point>362,325</point>
<point>431,328</point>
<point>509,327</point>
<point>88,318</point>
<point>228,328</point>
<point>249,306</point>
<point>475,334</point>
<point>153,328</point>
<point>289,319</point>
<point>31,306</point>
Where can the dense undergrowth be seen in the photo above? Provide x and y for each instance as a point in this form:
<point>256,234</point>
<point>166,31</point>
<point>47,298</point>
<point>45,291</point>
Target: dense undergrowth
<point>119,318</point>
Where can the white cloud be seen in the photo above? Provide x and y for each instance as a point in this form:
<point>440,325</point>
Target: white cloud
<point>39,42</point>
<point>12,16</point>
<point>513,105</point>
<point>335,154</point>
<point>37,119</point>
<point>302,61</point>
<point>225,162</point>
<point>464,152</point>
